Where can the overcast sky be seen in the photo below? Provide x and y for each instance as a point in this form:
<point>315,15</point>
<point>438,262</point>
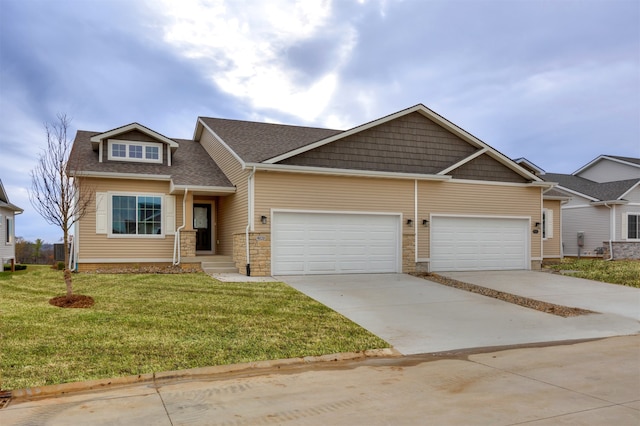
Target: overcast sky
<point>556,81</point>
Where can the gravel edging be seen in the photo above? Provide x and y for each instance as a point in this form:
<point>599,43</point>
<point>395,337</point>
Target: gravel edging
<point>549,308</point>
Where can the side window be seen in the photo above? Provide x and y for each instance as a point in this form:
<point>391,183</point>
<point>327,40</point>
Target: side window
<point>633,226</point>
<point>547,224</point>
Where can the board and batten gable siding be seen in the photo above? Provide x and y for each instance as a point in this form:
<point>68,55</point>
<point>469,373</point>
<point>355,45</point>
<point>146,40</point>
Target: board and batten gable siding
<point>609,171</point>
<point>552,246</point>
<point>408,144</point>
<point>477,199</point>
<point>312,192</point>
<point>232,209</point>
<point>594,221</point>
<point>99,246</point>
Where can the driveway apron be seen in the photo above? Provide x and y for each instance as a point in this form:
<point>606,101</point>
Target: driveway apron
<point>419,316</point>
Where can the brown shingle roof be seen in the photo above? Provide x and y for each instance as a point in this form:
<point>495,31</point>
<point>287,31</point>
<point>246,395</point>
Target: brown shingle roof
<point>256,142</point>
<point>191,165</point>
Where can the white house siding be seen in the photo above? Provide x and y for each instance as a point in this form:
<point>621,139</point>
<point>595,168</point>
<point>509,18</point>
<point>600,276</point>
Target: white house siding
<point>7,251</point>
<point>593,221</point>
<point>609,171</point>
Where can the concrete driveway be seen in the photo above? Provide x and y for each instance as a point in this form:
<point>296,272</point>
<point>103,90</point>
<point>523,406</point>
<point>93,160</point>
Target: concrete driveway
<point>419,316</point>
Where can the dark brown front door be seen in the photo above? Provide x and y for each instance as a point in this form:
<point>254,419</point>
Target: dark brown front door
<point>202,225</point>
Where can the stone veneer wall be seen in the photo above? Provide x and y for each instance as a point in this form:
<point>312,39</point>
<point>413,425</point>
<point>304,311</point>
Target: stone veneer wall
<point>187,243</point>
<point>408,253</point>
<point>622,250</point>
<point>259,252</point>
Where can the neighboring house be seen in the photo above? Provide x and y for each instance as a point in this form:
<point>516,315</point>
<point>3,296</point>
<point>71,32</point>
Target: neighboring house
<point>409,191</point>
<point>604,208</point>
<point>8,212</point>
<point>552,201</point>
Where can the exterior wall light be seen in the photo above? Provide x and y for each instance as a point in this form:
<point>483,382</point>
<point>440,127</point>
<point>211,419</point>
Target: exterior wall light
<point>263,219</point>
<point>409,222</point>
<point>425,222</point>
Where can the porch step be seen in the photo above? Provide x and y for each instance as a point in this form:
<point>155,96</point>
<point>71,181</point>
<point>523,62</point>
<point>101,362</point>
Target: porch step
<point>218,265</point>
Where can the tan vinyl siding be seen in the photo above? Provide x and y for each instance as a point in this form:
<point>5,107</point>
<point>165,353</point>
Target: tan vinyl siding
<point>100,246</point>
<point>232,209</point>
<point>331,193</point>
<point>459,198</point>
<point>552,246</point>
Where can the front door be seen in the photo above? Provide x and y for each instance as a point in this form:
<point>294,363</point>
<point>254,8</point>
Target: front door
<point>202,225</point>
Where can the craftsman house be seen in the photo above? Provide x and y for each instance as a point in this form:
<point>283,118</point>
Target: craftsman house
<point>408,191</point>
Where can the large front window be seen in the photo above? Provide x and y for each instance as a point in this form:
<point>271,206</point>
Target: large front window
<point>136,215</point>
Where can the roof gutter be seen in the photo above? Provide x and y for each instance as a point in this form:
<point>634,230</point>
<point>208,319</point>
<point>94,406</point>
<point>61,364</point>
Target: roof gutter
<point>344,172</point>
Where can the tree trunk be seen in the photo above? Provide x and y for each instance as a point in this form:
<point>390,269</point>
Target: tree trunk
<point>67,271</point>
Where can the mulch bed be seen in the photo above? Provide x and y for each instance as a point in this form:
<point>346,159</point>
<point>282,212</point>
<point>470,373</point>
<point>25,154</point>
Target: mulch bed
<point>73,301</point>
<point>549,308</point>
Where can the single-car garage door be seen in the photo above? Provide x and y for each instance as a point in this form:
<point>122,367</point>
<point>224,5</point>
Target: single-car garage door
<point>479,243</point>
<point>334,243</point>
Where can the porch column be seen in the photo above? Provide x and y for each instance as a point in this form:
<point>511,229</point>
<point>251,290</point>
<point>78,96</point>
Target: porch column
<point>188,234</point>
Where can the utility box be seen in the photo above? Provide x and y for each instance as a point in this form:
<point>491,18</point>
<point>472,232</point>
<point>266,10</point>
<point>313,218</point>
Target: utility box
<point>580,239</point>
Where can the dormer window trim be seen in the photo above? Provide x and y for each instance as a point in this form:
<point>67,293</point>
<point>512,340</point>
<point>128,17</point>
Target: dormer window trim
<point>135,151</point>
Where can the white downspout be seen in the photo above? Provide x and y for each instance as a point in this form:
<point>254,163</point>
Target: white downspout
<point>415,221</point>
<point>176,241</point>
<point>612,228</point>
<point>250,218</point>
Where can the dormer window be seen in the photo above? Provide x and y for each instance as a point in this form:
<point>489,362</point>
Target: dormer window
<point>148,152</point>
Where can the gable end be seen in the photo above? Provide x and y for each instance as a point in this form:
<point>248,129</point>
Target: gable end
<point>408,144</point>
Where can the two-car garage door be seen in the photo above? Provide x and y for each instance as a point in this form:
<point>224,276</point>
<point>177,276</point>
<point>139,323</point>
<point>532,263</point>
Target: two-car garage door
<point>340,243</point>
<point>478,243</point>
<point>335,243</point>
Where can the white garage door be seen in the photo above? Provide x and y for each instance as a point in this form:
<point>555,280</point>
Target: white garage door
<point>473,244</point>
<point>328,243</point>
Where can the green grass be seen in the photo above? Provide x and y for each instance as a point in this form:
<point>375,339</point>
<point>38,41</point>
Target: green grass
<point>143,323</point>
<point>624,272</point>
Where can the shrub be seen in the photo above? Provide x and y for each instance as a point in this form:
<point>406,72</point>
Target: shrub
<point>17,267</point>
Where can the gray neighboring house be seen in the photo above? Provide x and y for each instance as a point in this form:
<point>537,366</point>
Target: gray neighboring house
<point>604,208</point>
<point>8,212</point>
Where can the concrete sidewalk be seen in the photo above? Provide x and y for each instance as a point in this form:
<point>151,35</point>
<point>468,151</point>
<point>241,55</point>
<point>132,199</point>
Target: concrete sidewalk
<point>588,383</point>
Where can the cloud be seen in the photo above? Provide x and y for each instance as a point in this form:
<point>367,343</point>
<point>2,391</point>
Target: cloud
<point>266,53</point>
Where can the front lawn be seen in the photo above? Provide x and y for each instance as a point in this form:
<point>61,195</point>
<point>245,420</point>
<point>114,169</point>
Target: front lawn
<point>143,323</point>
<point>624,272</point>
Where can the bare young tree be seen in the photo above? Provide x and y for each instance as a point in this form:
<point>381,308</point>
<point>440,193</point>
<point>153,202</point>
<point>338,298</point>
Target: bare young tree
<point>56,195</point>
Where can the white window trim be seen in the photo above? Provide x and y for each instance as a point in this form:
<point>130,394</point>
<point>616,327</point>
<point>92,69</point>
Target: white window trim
<point>128,144</point>
<point>625,226</point>
<point>110,233</point>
